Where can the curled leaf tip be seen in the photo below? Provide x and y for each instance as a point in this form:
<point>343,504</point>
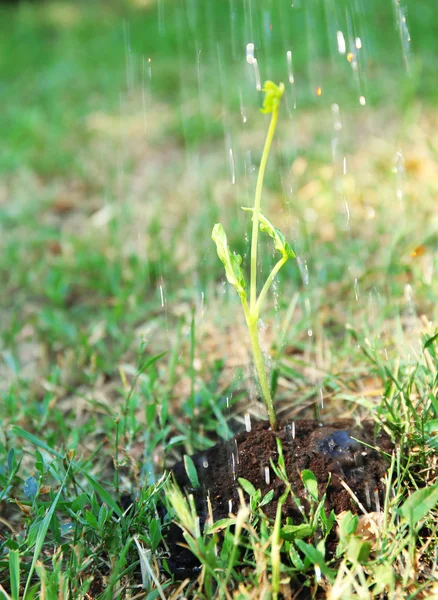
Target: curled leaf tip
<point>273,94</point>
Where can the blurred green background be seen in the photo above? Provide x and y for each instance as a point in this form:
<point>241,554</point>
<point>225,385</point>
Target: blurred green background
<point>60,61</point>
<point>129,128</point>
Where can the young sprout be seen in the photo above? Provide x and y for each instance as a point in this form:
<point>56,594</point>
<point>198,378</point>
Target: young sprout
<point>232,262</point>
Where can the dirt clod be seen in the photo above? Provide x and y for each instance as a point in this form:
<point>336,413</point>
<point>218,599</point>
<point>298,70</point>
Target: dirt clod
<point>335,453</point>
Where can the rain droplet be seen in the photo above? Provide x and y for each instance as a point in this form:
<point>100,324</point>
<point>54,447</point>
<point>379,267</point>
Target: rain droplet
<point>358,43</point>
<point>205,464</point>
<point>341,42</point>
<point>377,500</point>
<point>232,166</point>
<point>267,476</point>
<point>356,289</point>
<point>362,100</point>
<point>250,53</point>
<point>289,66</point>
<point>257,74</point>
<point>347,214</point>
<point>247,422</point>
<point>336,117</point>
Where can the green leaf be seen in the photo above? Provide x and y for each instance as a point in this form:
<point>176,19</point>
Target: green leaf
<point>358,551</point>
<point>220,525</point>
<point>231,262</point>
<point>267,498</point>
<point>273,94</point>
<point>247,486</point>
<point>430,341</point>
<point>315,557</point>
<point>347,523</point>
<point>279,241</point>
<point>104,495</point>
<point>431,427</point>
<point>293,532</point>
<point>310,483</point>
<point>42,532</point>
<point>14,574</point>
<point>419,504</point>
<point>191,471</point>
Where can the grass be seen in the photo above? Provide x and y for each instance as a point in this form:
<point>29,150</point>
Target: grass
<point>121,351</point>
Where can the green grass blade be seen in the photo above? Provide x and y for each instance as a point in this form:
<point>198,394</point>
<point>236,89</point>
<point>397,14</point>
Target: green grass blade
<point>104,495</point>
<point>14,574</point>
<point>419,505</point>
<point>41,535</point>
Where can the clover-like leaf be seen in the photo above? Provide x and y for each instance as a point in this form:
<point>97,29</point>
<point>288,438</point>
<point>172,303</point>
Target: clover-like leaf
<point>273,94</point>
<point>231,262</point>
<point>279,242</point>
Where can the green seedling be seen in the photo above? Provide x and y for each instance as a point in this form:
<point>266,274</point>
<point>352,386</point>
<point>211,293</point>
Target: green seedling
<point>232,262</point>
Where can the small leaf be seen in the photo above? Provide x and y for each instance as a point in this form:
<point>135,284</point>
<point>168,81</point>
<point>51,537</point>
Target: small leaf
<point>315,556</point>
<point>310,483</point>
<point>267,498</point>
<point>14,574</point>
<point>431,427</point>
<point>273,94</point>
<point>247,486</point>
<point>293,532</point>
<point>30,488</point>
<point>358,551</point>
<point>220,525</point>
<point>279,242</point>
<point>430,341</point>
<point>191,471</point>
<point>231,262</point>
<point>419,504</point>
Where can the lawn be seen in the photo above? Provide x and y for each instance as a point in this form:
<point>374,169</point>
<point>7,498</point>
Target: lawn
<point>128,130</point>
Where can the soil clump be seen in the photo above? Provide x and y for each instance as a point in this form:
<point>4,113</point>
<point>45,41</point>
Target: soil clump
<point>334,452</point>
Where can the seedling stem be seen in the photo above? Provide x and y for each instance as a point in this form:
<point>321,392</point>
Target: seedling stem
<point>233,261</point>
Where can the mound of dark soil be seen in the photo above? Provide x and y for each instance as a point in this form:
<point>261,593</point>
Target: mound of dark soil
<point>333,452</point>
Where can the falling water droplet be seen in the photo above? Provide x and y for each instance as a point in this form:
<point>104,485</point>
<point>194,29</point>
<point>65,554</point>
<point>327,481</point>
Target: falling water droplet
<point>230,505</point>
<point>289,66</point>
<point>377,500</point>
<point>267,476</point>
<point>257,75</point>
<point>242,108</point>
<point>162,296</point>
<point>250,53</point>
<point>205,464</point>
<point>318,574</point>
<point>356,289</point>
<point>347,214</point>
<point>337,124</point>
<point>341,42</point>
<point>304,270</point>
<point>367,495</point>
<point>362,100</point>
<point>232,166</point>
<point>321,398</point>
<point>247,422</point>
